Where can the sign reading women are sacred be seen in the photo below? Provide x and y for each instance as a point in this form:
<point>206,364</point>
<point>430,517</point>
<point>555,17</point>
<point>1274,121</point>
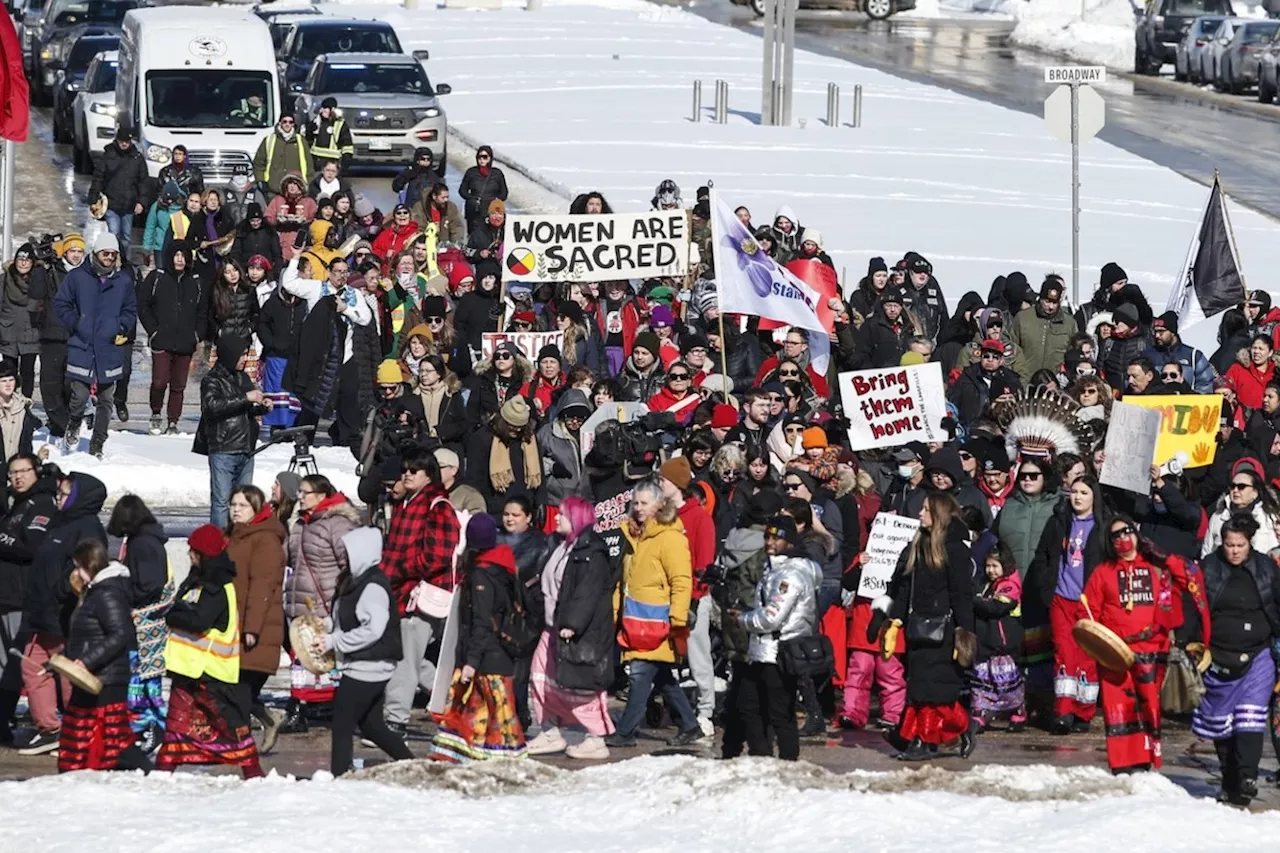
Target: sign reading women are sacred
<point>596,247</point>
<point>894,405</point>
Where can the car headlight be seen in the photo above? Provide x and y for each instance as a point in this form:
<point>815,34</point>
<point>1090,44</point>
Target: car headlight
<point>429,112</point>
<point>46,53</point>
<point>102,109</point>
<point>158,153</point>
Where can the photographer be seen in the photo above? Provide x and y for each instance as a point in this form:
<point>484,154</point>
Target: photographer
<point>395,425</point>
<point>227,432</point>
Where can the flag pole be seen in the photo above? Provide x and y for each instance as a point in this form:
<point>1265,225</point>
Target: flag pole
<point>1183,291</point>
<point>724,353</point>
<point>1226,217</point>
<point>10,151</point>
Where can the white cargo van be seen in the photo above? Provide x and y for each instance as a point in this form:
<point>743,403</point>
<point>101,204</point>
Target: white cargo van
<point>200,77</point>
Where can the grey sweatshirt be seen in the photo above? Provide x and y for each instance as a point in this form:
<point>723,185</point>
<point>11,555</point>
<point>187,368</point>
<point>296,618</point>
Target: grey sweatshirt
<point>373,609</point>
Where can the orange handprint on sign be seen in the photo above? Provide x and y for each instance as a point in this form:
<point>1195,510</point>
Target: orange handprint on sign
<point>1201,453</point>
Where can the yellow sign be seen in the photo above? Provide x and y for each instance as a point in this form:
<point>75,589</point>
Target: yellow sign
<point>1188,425</point>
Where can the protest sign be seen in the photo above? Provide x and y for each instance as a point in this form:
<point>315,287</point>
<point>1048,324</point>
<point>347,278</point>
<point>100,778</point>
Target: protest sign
<point>1132,435</point>
<point>889,407</point>
<point>529,343</point>
<point>1188,425</point>
<point>609,517</point>
<point>890,535</point>
<point>596,247</point>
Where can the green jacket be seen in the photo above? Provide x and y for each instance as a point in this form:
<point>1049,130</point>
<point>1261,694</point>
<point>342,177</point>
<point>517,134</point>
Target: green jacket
<point>1020,523</point>
<point>1042,340</point>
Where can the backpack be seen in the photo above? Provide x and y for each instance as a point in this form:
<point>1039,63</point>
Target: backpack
<point>521,628</point>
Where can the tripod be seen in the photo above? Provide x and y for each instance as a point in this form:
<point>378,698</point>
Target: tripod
<point>303,462</point>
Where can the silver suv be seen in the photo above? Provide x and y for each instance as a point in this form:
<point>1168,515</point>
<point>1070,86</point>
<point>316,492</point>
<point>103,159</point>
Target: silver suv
<point>385,98</point>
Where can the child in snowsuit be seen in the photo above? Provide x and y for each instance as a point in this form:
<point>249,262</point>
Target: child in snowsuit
<point>996,680</point>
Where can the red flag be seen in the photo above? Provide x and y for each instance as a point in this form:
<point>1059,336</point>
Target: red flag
<point>821,278</point>
<point>15,99</point>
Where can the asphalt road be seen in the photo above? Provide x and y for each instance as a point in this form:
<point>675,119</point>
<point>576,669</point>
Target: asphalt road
<point>1184,132</point>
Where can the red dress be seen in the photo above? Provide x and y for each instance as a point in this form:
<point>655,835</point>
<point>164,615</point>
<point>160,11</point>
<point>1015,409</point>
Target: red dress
<point>1142,603</point>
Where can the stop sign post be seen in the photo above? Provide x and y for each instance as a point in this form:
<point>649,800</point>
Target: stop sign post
<point>1075,113</point>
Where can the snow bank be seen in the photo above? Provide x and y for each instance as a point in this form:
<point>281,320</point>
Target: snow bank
<point>651,804</point>
<point>1103,37</point>
<point>162,470</point>
<point>598,96</point>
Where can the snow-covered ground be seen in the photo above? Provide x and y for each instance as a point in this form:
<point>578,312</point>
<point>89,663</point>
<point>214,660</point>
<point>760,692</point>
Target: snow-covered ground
<point>1103,36</point>
<point>596,95</point>
<point>646,804</point>
<point>162,470</point>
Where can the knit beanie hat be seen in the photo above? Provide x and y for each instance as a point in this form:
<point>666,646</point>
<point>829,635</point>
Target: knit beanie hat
<point>648,341</point>
<point>678,471</point>
<point>482,532</point>
<point>912,358</point>
<point>724,416</point>
<point>515,411</point>
<point>207,541</point>
<point>363,207</point>
<point>389,372</point>
<point>289,482</point>
<point>813,437</point>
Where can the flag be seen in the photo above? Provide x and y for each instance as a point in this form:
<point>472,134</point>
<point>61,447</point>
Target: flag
<point>15,99</point>
<point>750,282</point>
<point>1212,270</point>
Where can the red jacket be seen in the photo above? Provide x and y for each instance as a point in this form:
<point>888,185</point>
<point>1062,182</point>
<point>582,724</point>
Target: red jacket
<point>700,530</point>
<point>420,542</point>
<point>770,366</point>
<point>1142,603</point>
<point>391,241</point>
<point>630,316</point>
<point>684,406</point>
<point>1250,382</point>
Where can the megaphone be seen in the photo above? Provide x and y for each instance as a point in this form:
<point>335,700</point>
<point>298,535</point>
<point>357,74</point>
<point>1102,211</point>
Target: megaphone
<point>1176,465</point>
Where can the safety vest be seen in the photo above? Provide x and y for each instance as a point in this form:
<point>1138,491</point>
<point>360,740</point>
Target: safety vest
<point>330,149</point>
<point>214,653</point>
<point>271,154</point>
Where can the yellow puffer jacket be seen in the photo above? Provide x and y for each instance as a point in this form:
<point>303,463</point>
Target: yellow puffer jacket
<point>658,571</point>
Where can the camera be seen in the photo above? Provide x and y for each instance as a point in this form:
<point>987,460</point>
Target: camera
<point>42,248</point>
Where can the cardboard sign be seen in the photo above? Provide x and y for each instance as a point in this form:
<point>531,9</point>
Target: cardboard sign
<point>596,247</point>
<point>529,343</point>
<point>890,535</point>
<point>1132,435</point>
<point>1188,426</point>
<point>448,659</point>
<point>889,407</point>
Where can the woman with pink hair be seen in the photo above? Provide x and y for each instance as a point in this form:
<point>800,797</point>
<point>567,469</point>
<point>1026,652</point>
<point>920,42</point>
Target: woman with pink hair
<point>573,665</point>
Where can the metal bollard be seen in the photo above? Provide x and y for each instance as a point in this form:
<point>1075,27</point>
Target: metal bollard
<point>697,100</point>
<point>722,102</point>
<point>833,105</point>
<point>857,106</point>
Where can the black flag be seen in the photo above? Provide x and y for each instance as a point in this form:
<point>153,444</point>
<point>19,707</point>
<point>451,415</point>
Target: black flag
<point>1214,274</point>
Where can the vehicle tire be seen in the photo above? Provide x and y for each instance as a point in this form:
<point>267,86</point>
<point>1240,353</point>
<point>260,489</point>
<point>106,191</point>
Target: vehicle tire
<point>757,6</point>
<point>77,157</point>
<point>1265,95</point>
<point>878,10</point>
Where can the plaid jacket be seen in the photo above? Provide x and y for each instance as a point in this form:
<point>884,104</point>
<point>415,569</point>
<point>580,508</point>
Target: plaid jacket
<point>420,542</point>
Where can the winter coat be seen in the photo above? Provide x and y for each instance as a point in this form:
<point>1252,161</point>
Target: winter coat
<point>414,183</point>
<point>476,314</point>
<point>155,232</point>
<point>585,604</point>
<point>478,190</point>
<point>964,491</point>
<point>317,558</point>
<point>933,675</point>
<point>257,549</point>
<point>997,616</point>
<point>880,343</point>
<point>290,218</point>
<point>190,179</point>
<point>1043,340</point>
<point>263,241</point>
<point>531,550</point>
<point>393,240</point>
<point>280,324</point>
<point>235,206</point>
<point>148,564</point>
<point>42,293</point>
<point>1042,578</point>
<point>240,315</point>
<point>971,353</point>
<point>22,529</point>
<point>740,567</point>
<point>486,598</point>
<point>1115,355</point>
<point>1249,381</point>
<point>927,304</point>
<point>278,157</point>
<point>102,632</point>
<point>49,600</point>
<point>122,177</point>
<point>449,227</point>
<point>1174,524</point>
<point>18,334</point>
<point>483,236</point>
<point>1196,369</point>
<point>657,571</point>
<point>173,308</point>
<point>227,417</point>
<point>957,332</point>
<point>485,400</point>
<point>97,309</point>
<point>638,386</point>
<point>787,607</point>
<point>971,392</point>
<point>1264,541</point>
<point>563,473</point>
<point>1021,523</point>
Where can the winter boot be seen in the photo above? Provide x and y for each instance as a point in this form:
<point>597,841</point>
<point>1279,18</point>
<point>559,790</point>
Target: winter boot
<point>172,429</point>
<point>814,724</point>
<point>918,750</point>
<point>71,438</point>
<point>1064,724</point>
<point>155,427</point>
<point>122,412</point>
<point>95,448</point>
<point>295,718</point>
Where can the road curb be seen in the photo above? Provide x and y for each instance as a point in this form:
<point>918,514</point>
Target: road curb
<point>1166,86</point>
<point>464,160</point>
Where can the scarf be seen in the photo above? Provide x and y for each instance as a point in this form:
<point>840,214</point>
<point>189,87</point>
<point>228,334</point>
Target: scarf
<point>501,475</point>
<point>12,416</point>
<point>484,171</point>
<point>15,287</point>
<point>432,400</point>
<point>435,214</point>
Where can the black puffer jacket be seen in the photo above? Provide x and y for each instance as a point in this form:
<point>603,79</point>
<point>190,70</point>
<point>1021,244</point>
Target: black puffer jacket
<point>22,530</point>
<point>280,324</point>
<point>43,317</point>
<point>532,549</point>
<point>486,597</point>
<point>49,600</point>
<point>477,313</point>
<point>585,605</point>
<point>258,241</point>
<point>880,343</point>
<point>102,632</point>
<point>172,308</point>
<point>227,422</point>
<point>232,311</point>
<point>122,177</point>
<point>478,190</point>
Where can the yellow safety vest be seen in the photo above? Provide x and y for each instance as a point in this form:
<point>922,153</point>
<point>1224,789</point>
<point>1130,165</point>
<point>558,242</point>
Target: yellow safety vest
<point>271,155</point>
<point>330,150</point>
<point>214,653</point>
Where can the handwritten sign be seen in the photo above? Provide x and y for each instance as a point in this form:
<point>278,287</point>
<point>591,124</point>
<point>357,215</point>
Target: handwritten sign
<point>596,247</point>
<point>529,343</point>
<point>1188,425</point>
<point>889,407</point>
<point>890,535</point>
<point>609,517</point>
<point>1132,435</point>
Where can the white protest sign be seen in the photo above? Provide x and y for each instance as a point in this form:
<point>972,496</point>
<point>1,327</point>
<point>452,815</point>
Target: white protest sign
<point>889,407</point>
<point>890,535</point>
<point>1132,435</point>
<point>529,343</point>
<point>596,247</point>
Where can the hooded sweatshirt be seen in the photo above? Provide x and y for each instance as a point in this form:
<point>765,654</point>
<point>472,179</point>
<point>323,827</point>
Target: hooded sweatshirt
<point>373,610</point>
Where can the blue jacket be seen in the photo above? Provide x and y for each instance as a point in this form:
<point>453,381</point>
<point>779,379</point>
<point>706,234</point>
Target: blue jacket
<point>96,309</point>
<point>1196,369</point>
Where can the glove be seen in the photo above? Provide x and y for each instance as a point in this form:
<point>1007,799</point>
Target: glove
<point>121,340</point>
<point>1200,656</point>
<point>680,640</point>
<point>873,627</point>
<point>889,641</point>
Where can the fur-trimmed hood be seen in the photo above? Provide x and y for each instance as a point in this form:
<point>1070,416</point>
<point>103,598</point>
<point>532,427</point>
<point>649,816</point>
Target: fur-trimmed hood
<point>485,368</point>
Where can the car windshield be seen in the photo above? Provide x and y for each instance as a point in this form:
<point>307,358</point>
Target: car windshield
<point>1191,8</point>
<point>313,41</point>
<point>1260,32</point>
<point>105,78</point>
<point>83,52</point>
<point>365,78</point>
<point>95,13</point>
<point>209,98</point>
<point>1208,25</point>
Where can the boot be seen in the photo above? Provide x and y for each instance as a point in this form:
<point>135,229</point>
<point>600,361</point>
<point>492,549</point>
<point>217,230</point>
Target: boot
<point>970,738</point>
<point>157,425</point>
<point>95,449</point>
<point>272,722</point>
<point>814,725</point>
<point>1063,725</point>
<point>918,750</point>
<point>71,438</point>
<point>295,718</point>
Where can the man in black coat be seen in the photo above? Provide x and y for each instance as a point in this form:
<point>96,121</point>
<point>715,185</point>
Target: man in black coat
<point>227,431</point>
<point>883,337</point>
<point>417,179</point>
<point>121,176</point>
<point>983,382</point>
<point>173,309</point>
<point>923,295</point>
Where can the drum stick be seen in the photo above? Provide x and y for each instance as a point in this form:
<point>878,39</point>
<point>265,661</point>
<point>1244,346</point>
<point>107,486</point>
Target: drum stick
<point>1085,602</point>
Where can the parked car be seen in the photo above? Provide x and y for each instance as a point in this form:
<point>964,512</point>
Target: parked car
<point>28,18</point>
<point>317,35</point>
<point>71,78</point>
<point>1268,76</point>
<point>1162,24</point>
<point>62,21</point>
<point>1211,56</point>
<point>387,100</point>
<point>875,9</point>
<point>1196,37</point>
<point>279,16</point>
<point>93,113</point>
<point>1241,57</point>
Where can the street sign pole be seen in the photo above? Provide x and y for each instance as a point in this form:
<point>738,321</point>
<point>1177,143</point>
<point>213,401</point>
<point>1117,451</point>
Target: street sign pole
<point>766,82</point>
<point>1075,194</point>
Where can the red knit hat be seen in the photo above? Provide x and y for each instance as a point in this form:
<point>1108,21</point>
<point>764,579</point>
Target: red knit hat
<point>207,541</point>
<point>724,416</point>
<point>460,272</point>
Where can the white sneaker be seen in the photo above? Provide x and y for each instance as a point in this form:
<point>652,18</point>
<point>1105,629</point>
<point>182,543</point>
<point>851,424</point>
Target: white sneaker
<point>705,724</point>
<point>547,743</point>
<point>591,749</point>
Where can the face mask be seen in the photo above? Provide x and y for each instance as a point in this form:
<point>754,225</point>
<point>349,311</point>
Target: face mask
<point>906,472</point>
<point>1125,545</point>
<point>240,182</point>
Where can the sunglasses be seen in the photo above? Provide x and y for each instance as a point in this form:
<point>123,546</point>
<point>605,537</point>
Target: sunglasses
<point>1030,475</point>
<point>995,326</point>
<point>435,321</point>
<point>774,398</point>
<point>678,377</point>
<point>1238,487</point>
<point>788,373</point>
<point>796,428</point>
<point>1173,376</point>
<point>1122,531</point>
<point>503,356</point>
<point>966,455</point>
<point>791,487</point>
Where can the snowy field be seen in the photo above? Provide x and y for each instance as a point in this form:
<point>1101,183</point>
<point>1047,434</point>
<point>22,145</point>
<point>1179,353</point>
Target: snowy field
<point>653,805</point>
<point>597,95</point>
<point>1104,36</point>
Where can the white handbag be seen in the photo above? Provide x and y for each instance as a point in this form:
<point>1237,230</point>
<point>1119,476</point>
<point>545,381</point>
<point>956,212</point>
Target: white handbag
<point>433,601</point>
